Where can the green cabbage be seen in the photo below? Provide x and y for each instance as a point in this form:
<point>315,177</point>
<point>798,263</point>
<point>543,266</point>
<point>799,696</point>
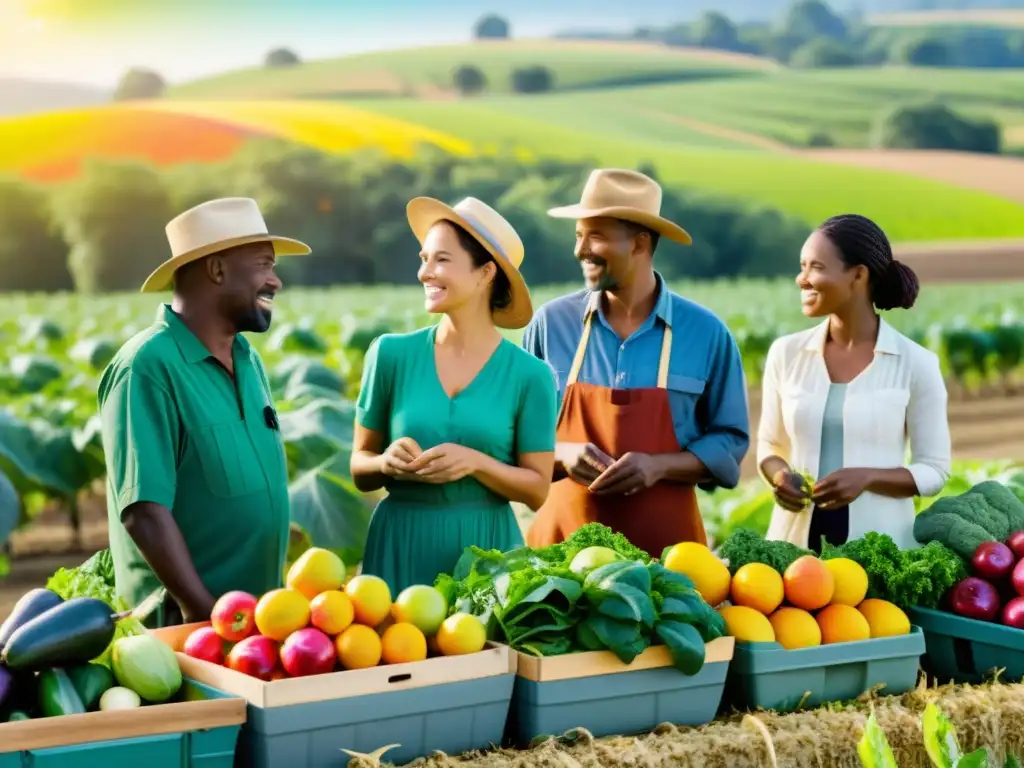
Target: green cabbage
<point>147,666</point>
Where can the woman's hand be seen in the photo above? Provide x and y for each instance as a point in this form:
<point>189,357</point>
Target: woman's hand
<point>397,459</point>
<point>789,490</point>
<point>842,487</point>
<point>444,463</point>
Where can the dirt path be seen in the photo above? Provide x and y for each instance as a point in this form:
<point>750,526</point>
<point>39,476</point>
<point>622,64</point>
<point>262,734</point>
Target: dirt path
<point>720,131</point>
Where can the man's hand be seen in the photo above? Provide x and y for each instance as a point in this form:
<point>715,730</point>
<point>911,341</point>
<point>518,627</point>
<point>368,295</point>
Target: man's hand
<point>633,472</point>
<point>583,462</point>
<point>398,457</point>
<point>840,488</point>
<point>444,463</point>
<point>789,490</point>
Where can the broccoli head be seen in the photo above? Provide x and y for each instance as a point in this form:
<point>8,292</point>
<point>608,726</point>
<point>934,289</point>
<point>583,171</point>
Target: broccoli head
<point>950,528</point>
<point>1002,499</point>
<point>974,508</point>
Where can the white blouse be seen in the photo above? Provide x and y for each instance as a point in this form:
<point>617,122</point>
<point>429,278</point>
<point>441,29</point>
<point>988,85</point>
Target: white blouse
<point>900,394</point>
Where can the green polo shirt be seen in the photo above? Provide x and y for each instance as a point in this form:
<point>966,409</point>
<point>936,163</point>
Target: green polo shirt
<point>179,431</point>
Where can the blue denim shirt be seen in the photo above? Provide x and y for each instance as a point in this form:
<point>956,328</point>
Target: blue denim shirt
<point>706,386</point>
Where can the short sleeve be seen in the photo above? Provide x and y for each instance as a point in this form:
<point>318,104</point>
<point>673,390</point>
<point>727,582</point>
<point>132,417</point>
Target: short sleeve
<point>375,389</point>
<point>141,441</point>
<point>538,411</point>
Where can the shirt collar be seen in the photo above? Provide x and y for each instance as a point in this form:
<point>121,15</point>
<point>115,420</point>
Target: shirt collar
<point>885,343</point>
<point>662,307</point>
<point>192,349</point>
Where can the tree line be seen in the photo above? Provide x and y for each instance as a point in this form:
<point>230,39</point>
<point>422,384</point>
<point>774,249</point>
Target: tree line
<point>103,231</point>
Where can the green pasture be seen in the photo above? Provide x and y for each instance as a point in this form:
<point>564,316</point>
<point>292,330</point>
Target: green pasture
<point>574,65</point>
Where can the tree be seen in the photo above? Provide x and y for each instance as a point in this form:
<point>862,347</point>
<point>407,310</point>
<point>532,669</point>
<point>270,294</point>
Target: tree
<point>491,27</point>
<point>935,126</point>
<point>33,257</point>
<point>715,30</point>
<point>923,52</point>
<point>807,19</point>
<point>139,83</point>
<point>469,80</point>
<point>535,79</point>
<point>822,52</point>
<point>281,57</point>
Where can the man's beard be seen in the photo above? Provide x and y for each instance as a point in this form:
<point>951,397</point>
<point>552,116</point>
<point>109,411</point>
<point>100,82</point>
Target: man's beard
<point>254,320</point>
<point>604,280</point>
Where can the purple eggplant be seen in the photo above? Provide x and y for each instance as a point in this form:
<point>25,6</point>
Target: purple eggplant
<point>33,603</point>
<point>6,684</point>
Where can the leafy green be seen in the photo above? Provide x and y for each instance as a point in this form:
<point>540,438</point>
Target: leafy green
<point>873,748</point>
<point>747,546</point>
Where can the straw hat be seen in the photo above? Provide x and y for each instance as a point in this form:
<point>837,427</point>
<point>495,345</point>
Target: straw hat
<point>494,233</point>
<point>212,227</point>
<point>627,195</point>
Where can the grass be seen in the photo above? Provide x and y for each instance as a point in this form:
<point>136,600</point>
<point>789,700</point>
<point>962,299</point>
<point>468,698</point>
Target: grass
<point>576,64</point>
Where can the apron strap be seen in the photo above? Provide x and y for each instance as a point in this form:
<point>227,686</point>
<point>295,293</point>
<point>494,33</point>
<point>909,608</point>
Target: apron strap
<point>581,351</point>
<point>666,354</point>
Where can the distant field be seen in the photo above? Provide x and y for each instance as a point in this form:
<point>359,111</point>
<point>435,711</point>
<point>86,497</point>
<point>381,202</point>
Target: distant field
<point>428,71</point>
<point>1010,17</point>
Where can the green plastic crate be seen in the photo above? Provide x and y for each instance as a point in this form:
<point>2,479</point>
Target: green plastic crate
<point>964,650</point>
<point>767,676</point>
<point>205,748</point>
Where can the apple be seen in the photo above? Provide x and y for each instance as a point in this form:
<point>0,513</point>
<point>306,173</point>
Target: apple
<point>974,598</point>
<point>308,651</point>
<point>1013,613</point>
<point>204,643</point>
<point>233,615</point>
<point>256,656</point>
<point>993,561</point>
<point>1016,543</point>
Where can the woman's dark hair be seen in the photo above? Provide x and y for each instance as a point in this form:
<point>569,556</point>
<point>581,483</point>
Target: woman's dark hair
<point>501,288</point>
<point>861,242</point>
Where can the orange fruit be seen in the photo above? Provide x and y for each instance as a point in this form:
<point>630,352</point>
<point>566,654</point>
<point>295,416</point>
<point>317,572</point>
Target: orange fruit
<point>746,624</point>
<point>709,574</point>
<point>757,586</point>
<point>851,581</point>
<point>842,624</point>
<point>403,642</point>
<point>795,628</point>
<point>808,583</point>
<point>884,618</point>
<point>371,599</point>
<point>358,647</point>
<point>461,633</point>
<point>280,612</point>
<point>331,612</point>
<point>317,570</point>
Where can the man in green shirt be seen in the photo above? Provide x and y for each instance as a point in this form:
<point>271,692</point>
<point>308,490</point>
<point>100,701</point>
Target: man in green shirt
<point>197,485</point>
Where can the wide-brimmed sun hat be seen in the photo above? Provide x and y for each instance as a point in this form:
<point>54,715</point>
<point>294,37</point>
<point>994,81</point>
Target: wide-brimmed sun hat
<point>622,194</point>
<point>212,227</point>
<point>494,233</point>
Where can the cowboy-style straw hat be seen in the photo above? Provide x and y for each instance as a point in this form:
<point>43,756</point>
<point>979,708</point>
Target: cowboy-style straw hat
<point>494,233</point>
<point>212,227</point>
<point>623,194</point>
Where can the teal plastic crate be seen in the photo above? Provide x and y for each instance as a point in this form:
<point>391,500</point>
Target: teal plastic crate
<point>622,702</point>
<point>767,676</point>
<point>964,650</point>
<point>203,748</point>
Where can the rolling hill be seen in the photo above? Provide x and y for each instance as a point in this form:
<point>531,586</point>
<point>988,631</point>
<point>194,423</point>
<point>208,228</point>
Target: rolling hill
<point>995,17</point>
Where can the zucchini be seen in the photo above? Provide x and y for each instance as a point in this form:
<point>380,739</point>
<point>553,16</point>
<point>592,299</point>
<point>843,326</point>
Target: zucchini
<point>91,681</point>
<point>31,604</point>
<point>74,632</point>
<point>57,694</point>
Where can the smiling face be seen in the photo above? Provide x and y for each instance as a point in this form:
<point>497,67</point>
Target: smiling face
<point>449,276</point>
<point>248,284</point>
<point>607,249</point>
<point>827,285</point>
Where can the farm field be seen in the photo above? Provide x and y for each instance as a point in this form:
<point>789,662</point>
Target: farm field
<point>58,345</point>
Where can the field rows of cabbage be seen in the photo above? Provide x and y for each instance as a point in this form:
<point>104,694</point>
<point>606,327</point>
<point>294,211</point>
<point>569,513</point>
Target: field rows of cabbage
<point>56,347</point>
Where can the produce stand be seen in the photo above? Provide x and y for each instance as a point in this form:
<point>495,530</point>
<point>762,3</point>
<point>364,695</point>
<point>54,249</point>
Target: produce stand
<point>768,676</point>
<point>199,729</point>
<point>965,650</point>
<point>453,704</point>
<point>596,691</point>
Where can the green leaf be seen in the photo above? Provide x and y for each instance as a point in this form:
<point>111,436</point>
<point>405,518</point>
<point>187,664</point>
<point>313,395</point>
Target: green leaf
<point>684,643</point>
<point>330,510</point>
<point>623,638</point>
<point>318,432</point>
<point>665,581</point>
<point>10,507</point>
<point>626,603</point>
<point>873,748</point>
<point>939,738</point>
<point>611,576</point>
<point>1011,762</point>
<point>979,758</point>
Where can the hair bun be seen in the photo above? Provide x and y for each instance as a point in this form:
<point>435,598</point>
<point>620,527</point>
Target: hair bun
<point>899,289</point>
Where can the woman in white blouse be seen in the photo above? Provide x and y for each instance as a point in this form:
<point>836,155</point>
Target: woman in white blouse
<point>841,399</point>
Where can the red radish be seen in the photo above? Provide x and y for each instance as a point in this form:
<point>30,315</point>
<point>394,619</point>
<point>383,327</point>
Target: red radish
<point>1016,543</point>
<point>255,656</point>
<point>975,598</point>
<point>204,643</point>
<point>1013,613</point>
<point>307,652</point>
<point>1017,578</point>
<point>233,615</point>
<point>993,561</point>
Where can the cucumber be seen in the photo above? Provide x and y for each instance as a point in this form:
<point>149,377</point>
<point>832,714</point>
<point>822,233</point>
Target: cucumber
<point>74,632</point>
<point>57,694</point>
<point>91,681</point>
<point>32,604</point>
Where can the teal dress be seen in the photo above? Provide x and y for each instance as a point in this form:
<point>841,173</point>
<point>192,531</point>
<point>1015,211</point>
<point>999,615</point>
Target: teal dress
<point>421,529</point>
<point>833,524</point>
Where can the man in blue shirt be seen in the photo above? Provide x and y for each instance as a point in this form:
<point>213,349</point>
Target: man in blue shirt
<point>654,401</point>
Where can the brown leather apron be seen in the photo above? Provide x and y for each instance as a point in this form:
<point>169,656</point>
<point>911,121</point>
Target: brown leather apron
<point>620,421</point>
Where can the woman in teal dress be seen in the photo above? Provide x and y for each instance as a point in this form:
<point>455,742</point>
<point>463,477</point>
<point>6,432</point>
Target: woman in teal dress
<point>453,420</point>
